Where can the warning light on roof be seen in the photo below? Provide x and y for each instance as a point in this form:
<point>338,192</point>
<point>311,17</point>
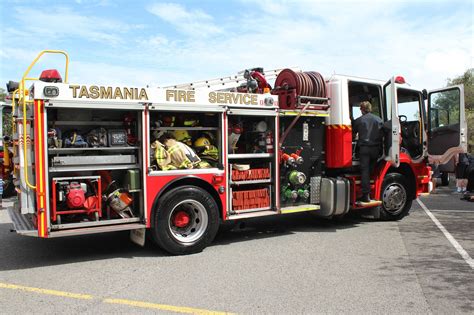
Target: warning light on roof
<point>400,80</point>
<point>51,75</point>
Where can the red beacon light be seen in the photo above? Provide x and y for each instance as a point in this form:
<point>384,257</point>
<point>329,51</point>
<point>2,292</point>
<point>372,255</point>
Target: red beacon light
<point>51,75</point>
<point>400,80</point>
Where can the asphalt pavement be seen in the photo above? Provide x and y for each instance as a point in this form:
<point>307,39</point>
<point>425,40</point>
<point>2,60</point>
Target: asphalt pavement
<point>293,264</point>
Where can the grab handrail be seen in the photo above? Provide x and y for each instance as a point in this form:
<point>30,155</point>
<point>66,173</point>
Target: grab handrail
<point>24,101</point>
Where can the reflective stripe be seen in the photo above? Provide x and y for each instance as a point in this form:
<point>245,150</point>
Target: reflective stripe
<point>343,127</point>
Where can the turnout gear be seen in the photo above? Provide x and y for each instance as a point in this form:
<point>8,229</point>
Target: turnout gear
<point>174,155</point>
<point>182,156</point>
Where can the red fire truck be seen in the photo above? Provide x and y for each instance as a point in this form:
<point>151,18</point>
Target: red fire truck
<point>176,162</point>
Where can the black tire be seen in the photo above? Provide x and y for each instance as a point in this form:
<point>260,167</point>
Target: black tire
<point>8,188</point>
<point>444,179</point>
<point>396,200</point>
<point>194,206</point>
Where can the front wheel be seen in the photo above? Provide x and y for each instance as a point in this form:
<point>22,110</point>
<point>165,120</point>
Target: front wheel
<point>396,201</point>
<point>185,221</point>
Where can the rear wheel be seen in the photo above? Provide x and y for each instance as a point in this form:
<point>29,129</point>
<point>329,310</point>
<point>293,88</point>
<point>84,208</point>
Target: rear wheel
<point>444,179</point>
<point>185,221</point>
<point>396,201</point>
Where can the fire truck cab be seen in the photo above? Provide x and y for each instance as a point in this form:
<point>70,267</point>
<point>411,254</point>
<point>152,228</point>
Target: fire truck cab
<point>178,161</point>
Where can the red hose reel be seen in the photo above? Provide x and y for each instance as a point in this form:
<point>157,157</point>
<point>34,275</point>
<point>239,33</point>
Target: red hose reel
<point>290,85</point>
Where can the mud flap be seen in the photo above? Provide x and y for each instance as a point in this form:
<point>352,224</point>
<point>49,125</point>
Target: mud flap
<point>370,212</point>
<point>138,236</point>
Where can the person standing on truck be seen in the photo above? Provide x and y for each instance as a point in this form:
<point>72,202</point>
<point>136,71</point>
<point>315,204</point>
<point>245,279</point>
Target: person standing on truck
<point>369,131</point>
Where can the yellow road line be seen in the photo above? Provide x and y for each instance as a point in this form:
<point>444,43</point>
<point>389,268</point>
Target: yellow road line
<point>164,307</point>
<point>148,305</point>
<point>46,291</point>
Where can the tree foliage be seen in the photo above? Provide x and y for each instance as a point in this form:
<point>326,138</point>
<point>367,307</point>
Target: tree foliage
<point>467,79</point>
<point>6,116</point>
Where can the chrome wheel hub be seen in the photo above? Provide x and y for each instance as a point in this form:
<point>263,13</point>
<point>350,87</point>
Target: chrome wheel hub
<point>394,198</point>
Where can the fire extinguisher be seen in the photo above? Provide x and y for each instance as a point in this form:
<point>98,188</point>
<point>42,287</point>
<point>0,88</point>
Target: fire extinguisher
<point>130,126</point>
<point>269,142</point>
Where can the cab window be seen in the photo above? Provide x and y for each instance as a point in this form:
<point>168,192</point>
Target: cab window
<point>444,108</point>
<point>410,115</point>
<point>360,92</point>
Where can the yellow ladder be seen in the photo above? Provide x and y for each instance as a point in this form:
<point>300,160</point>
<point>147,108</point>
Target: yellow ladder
<point>23,100</point>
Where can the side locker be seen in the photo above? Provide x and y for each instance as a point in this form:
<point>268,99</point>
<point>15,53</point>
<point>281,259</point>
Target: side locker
<point>94,160</point>
<point>252,163</point>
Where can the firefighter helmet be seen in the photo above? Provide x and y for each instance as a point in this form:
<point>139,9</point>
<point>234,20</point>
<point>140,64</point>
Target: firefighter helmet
<point>190,122</point>
<point>202,142</point>
<point>168,121</point>
<point>182,136</point>
<point>209,135</point>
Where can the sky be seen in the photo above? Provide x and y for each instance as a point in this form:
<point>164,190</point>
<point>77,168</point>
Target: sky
<point>159,43</point>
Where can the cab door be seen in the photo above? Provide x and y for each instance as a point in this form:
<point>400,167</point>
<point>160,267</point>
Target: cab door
<point>447,127</point>
<point>392,123</point>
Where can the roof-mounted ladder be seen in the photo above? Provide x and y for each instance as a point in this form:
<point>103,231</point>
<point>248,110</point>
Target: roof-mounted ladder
<point>224,83</point>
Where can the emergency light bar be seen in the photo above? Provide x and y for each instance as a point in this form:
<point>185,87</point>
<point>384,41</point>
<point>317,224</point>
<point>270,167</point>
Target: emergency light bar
<point>51,75</point>
<point>400,80</point>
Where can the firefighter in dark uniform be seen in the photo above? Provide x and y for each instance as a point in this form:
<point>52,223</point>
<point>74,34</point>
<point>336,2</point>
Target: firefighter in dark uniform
<point>369,130</point>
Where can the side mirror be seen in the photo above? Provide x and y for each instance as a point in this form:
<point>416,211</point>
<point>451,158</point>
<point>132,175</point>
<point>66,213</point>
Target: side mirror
<point>12,86</point>
<point>425,94</point>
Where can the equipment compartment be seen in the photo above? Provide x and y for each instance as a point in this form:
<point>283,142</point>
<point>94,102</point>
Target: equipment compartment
<point>251,200</point>
<point>95,161</point>
<point>302,157</point>
<point>185,140</point>
<point>92,140</point>
<point>251,135</point>
<point>76,195</point>
<point>251,162</point>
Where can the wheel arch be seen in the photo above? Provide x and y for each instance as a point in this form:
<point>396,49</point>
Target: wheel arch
<point>188,181</point>
<point>407,171</point>
<point>404,169</point>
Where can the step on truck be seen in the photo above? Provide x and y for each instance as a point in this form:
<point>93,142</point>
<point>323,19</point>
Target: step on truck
<point>176,162</point>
